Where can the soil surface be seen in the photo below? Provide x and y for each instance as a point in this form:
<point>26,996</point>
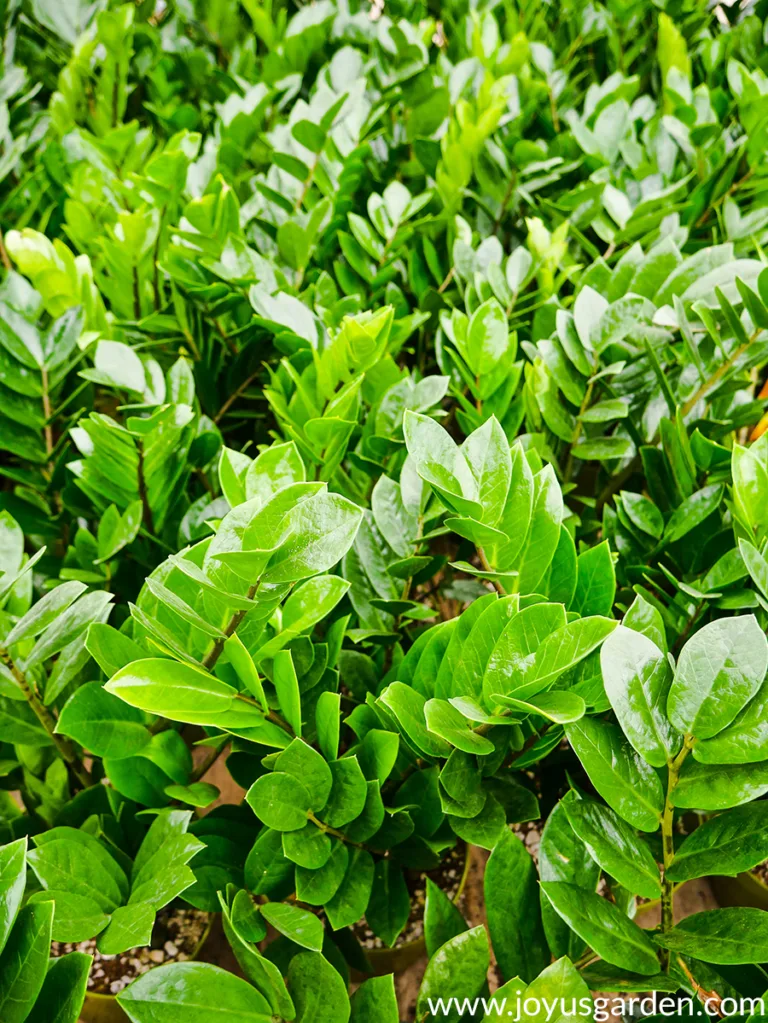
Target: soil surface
<point>447,877</point>
<point>175,937</point>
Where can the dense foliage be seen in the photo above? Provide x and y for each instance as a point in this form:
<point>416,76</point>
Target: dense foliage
<point>383,415</point>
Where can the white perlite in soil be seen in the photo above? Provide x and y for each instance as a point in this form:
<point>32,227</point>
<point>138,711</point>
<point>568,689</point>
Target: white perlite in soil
<point>175,938</point>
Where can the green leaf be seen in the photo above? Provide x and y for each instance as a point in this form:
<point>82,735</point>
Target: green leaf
<point>448,723</point>
<point>692,512</point>
<point>442,920</point>
<point>544,531</point>
<point>177,691</point>
<point>280,801</point>
<point>563,857</point>
<point>13,875</point>
<point>719,670</point>
<point>510,661</point>
<point>317,886</point>
<point>457,970</point>
<point>595,582</point>
<point>637,678</point>
<point>488,457</point>
<point>102,723</point>
<point>348,792</point>
<point>512,907</point>
<point>71,865</point>
<point>744,741</point>
<point>629,785</point>
<point>262,973</point>
<point>408,707</point>
<point>242,662</point>
<point>63,992</point>
<point>378,754</point>
<point>559,985</point>
<point>318,992</point>
<point>287,687</point>
<point>603,449</point>
<point>390,904</point>
<point>323,529</point>
<point>350,901</point>
<point>199,793</point>
<point>327,719</point>
<point>726,936</point>
<point>643,514</point>
<point>111,649</point>
<point>45,611</point>
<point>129,927</point>
<point>301,926</point>
<point>560,707</point>
<point>309,847</point>
<point>76,917</point>
<point>311,603</point>
<point>719,787</point>
<point>375,1001</point>
<point>441,464</point>
<point>187,991</point>
<point>487,335</point>
<point>246,918</point>
<point>615,846</point>
<point>484,828</point>
<point>730,843</point>
<point>69,625</point>
<point>603,926</point>
<point>266,867</point>
<point>24,962</point>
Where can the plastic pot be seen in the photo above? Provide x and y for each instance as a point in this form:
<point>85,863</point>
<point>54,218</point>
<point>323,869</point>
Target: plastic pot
<point>99,1008</point>
<point>399,958</point>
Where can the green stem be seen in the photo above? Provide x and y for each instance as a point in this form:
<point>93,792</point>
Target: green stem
<point>720,372</point>
<point>210,659</point>
<point>668,842</point>
<point>141,483</point>
<point>328,830</point>
<point>568,472</point>
<point>488,568</point>
<point>48,721</point>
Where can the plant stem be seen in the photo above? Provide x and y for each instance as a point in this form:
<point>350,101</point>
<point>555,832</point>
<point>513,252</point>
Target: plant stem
<point>568,471</point>
<point>142,487</point>
<point>136,294</point>
<point>209,662</point>
<point>487,567</point>
<point>233,397</point>
<point>4,257</point>
<point>328,830</point>
<point>48,721</point>
<point>47,429</point>
<point>668,842</point>
<point>719,373</point>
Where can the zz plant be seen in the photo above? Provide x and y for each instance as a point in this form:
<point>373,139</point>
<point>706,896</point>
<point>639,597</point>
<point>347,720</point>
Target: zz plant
<point>383,428</point>
<point>687,738</point>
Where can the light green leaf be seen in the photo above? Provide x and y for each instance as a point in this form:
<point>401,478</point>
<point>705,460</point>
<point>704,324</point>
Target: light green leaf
<point>719,670</point>
<point>604,927</point>
<point>187,991</point>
